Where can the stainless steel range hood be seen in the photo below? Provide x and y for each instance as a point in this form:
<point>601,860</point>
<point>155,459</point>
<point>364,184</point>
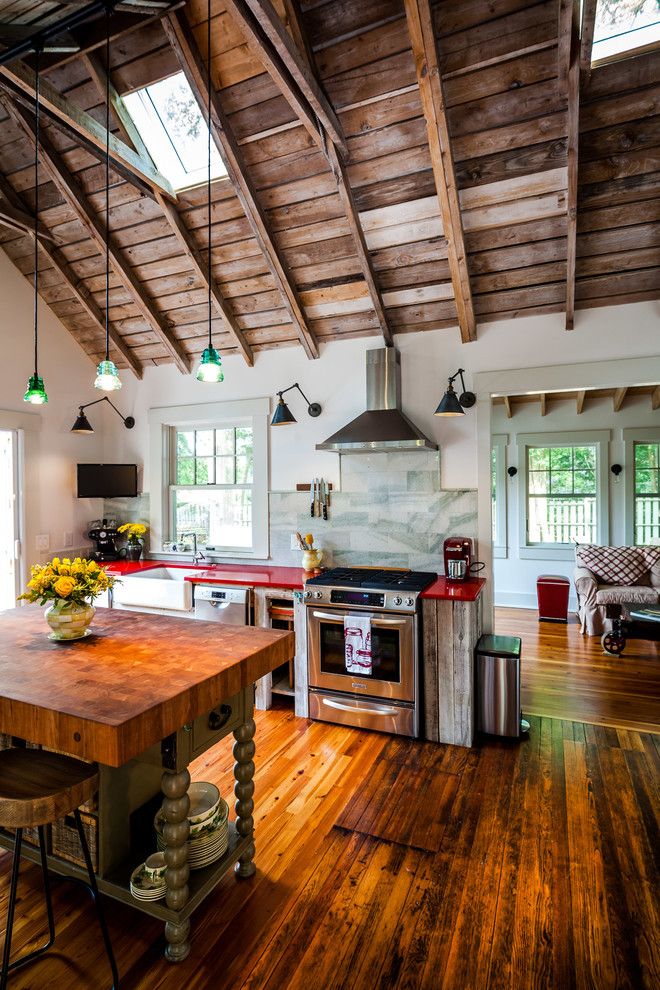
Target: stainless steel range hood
<point>383,427</point>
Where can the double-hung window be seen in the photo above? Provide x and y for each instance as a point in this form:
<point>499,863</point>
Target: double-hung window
<point>646,489</point>
<point>210,463</point>
<point>566,489</point>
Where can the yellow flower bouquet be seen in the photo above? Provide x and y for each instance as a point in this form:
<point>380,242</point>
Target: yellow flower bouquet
<point>71,586</point>
<point>133,531</point>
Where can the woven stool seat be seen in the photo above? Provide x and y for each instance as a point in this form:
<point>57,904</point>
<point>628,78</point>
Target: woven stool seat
<point>37,788</point>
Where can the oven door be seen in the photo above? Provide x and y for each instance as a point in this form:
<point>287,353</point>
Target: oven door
<point>393,652</point>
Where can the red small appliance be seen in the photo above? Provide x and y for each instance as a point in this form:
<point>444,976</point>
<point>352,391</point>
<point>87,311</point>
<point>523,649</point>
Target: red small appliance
<point>458,554</point>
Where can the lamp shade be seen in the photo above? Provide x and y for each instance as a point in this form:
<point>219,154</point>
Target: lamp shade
<point>35,392</point>
<point>210,367</point>
<point>107,377</point>
<point>82,424</point>
<point>449,404</point>
<point>282,414</point>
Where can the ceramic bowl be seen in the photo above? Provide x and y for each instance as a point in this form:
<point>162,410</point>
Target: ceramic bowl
<point>155,866</point>
<point>204,801</point>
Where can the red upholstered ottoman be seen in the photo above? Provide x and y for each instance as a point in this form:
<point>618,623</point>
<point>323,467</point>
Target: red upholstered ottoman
<point>552,592</point>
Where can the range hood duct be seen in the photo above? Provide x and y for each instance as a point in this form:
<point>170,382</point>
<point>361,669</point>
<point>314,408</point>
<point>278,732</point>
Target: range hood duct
<point>383,427</point>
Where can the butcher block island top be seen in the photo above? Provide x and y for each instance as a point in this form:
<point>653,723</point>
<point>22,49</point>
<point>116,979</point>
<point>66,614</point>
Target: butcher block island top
<point>143,697</point>
<point>134,681</point>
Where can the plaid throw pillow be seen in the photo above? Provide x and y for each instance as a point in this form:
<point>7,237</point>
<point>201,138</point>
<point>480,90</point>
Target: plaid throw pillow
<point>613,565</point>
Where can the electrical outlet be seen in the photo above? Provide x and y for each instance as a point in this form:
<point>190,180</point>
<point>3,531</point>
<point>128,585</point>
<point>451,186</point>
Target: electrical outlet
<point>67,542</point>
<point>42,541</point>
<point>294,542</point>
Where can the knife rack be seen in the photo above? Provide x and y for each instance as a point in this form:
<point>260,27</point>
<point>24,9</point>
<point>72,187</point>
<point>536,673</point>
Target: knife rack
<point>308,488</point>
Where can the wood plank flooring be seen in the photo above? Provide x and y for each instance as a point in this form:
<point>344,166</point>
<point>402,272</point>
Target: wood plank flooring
<point>385,863</point>
<point>567,675</point>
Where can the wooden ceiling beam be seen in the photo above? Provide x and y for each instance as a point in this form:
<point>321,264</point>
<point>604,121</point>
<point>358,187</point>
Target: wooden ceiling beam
<point>618,398</point>
<point>11,34</point>
<point>507,406</point>
<point>655,398</point>
<point>569,77</point>
<point>82,123</point>
<point>183,42</point>
<point>57,259</point>
<point>429,79</point>
<point>18,218</point>
<point>579,401</point>
<point>74,194</point>
<point>269,40</point>
<point>178,227</point>
<point>587,40</point>
<point>544,403</point>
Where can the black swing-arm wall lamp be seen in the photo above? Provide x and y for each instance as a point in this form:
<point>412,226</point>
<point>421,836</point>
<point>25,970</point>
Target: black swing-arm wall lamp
<point>83,425</point>
<point>283,414</point>
<point>452,404</point>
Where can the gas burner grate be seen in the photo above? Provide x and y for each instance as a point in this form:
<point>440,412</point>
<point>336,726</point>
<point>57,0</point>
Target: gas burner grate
<point>364,577</point>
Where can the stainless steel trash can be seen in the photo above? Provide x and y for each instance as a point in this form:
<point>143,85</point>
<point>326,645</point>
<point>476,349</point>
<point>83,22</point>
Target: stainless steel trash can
<point>498,686</point>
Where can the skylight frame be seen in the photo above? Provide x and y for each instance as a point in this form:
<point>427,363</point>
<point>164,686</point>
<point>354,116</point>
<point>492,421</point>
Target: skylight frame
<point>161,143</point>
<point>621,43</point>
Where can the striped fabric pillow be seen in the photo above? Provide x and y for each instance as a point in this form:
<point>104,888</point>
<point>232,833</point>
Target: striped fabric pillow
<point>614,565</point>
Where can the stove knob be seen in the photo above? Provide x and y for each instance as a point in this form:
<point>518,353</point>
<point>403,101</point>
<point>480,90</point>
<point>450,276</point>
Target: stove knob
<point>397,600</point>
<point>307,594</point>
<point>410,602</point>
<point>318,594</point>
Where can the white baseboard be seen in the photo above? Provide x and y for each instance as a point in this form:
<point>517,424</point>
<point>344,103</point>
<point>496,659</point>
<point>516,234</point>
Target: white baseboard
<point>519,599</point>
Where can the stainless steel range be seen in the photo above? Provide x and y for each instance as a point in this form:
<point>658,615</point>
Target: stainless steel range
<point>363,647</point>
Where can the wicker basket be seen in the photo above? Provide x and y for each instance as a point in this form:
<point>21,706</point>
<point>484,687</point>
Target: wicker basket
<point>5,741</point>
<point>65,841</point>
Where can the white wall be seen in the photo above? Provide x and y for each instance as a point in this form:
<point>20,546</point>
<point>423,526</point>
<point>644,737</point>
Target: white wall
<point>51,451</point>
<point>337,381</point>
<point>515,578</point>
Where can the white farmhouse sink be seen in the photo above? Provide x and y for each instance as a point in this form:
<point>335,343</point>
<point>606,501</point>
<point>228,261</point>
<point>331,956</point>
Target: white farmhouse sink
<point>159,587</point>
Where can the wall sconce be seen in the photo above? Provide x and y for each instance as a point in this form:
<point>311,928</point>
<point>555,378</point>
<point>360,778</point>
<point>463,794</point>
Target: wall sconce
<point>452,404</point>
<point>283,414</point>
<point>512,471</point>
<point>83,426</point>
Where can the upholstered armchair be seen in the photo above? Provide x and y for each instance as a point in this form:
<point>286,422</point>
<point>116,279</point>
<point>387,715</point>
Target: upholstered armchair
<point>614,576</point>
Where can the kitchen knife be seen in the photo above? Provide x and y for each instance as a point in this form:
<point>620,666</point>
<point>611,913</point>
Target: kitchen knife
<point>324,497</point>
<point>313,488</point>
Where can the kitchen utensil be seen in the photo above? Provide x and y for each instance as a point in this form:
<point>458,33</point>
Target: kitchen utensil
<point>313,508</point>
<point>324,498</point>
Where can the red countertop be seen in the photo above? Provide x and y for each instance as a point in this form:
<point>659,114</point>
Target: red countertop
<point>292,578</point>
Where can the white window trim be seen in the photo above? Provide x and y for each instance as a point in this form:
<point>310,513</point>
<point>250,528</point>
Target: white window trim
<point>253,412</point>
<point>649,434</point>
<point>563,551</point>
<point>499,442</point>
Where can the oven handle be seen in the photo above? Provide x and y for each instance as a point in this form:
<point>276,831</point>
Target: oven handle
<point>375,621</point>
<point>376,710</point>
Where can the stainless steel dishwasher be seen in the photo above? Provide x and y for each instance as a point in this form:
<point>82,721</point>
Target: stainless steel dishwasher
<point>214,603</point>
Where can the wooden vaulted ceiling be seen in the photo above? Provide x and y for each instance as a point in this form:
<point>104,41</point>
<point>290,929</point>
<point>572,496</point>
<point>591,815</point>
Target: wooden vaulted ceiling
<point>394,166</point>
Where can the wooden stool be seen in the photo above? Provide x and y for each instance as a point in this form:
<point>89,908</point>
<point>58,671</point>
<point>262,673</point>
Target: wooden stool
<point>36,789</point>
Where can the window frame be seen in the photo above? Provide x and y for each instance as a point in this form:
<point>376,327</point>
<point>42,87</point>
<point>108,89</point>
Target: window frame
<point>499,443</point>
<point>564,551</point>
<point>650,434</point>
<point>164,423</point>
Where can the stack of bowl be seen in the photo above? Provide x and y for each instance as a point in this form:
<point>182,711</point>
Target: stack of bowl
<point>209,825</point>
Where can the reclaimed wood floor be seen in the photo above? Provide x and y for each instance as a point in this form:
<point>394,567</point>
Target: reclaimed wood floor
<point>567,675</point>
<point>385,863</point>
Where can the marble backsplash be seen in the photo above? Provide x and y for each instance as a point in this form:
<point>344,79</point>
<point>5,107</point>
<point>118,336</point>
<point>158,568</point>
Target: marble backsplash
<point>390,512</point>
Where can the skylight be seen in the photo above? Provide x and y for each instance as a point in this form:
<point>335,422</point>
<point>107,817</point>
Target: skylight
<point>624,26</point>
<point>173,129</point>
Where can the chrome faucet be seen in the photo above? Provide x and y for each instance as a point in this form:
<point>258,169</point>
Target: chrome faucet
<point>197,554</point>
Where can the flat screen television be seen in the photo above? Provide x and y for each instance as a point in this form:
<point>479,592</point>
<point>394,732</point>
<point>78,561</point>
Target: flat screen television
<point>107,480</point>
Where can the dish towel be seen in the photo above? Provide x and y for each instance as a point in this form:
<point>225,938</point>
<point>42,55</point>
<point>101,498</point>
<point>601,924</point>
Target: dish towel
<point>357,644</point>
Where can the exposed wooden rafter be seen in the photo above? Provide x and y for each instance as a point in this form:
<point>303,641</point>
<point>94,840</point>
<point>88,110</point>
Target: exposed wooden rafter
<point>178,227</point>
<point>425,53</point>
<point>587,39</point>
<point>74,194</point>
<point>19,219</point>
<point>619,398</point>
<point>10,34</point>
<point>569,75</point>
<point>655,398</point>
<point>57,259</point>
<point>544,403</point>
<point>508,407</point>
<point>182,40</point>
<point>298,56</point>
<point>579,401</point>
<point>82,123</point>
<point>268,39</point>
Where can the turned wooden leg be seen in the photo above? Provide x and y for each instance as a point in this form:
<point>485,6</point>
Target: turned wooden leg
<point>244,789</point>
<point>176,832</point>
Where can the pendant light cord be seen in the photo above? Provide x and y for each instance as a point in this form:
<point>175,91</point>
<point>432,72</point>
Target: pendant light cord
<point>36,209</point>
<point>208,181</point>
<point>107,183</point>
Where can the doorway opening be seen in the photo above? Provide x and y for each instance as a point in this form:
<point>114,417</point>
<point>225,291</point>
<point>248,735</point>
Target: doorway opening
<point>10,548</point>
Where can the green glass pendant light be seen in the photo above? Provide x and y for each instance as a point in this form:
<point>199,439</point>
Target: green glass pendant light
<point>210,366</point>
<point>107,376</point>
<point>36,392</point>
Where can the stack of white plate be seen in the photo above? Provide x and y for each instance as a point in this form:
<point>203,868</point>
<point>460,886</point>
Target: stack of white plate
<point>209,825</point>
<point>145,887</point>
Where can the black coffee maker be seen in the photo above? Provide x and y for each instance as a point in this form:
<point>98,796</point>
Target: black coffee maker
<point>104,533</point>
